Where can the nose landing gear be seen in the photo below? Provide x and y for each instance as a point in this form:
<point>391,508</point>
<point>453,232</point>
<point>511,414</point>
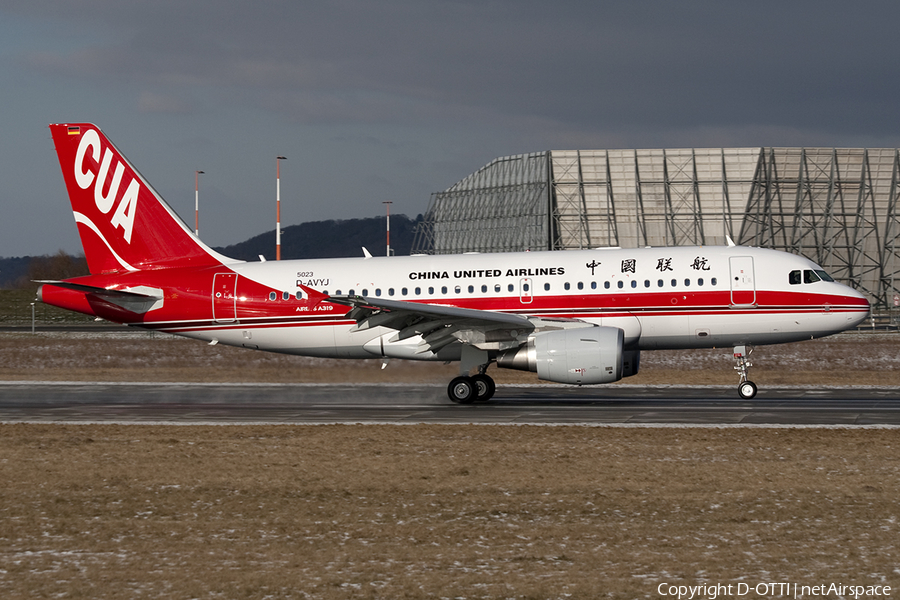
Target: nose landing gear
<point>746,388</point>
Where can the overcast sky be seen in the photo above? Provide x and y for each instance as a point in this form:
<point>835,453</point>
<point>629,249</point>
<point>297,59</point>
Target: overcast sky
<point>391,101</point>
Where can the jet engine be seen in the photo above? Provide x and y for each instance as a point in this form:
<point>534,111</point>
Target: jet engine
<point>579,356</point>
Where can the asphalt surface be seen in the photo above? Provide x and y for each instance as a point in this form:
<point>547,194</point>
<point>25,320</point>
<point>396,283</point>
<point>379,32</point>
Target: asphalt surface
<point>186,403</point>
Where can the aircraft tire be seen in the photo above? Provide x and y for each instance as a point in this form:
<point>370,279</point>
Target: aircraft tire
<point>462,390</point>
<point>747,390</point>
<point>484,387</point>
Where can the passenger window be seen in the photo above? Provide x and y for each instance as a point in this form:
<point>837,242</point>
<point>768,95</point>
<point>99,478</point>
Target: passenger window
<point>471,289</point>
<point>660,283</point>
<point>646,283</point>
<point>418,291</point>
<point>580,285</point>
<point>593,285</point>
<point>377,291</point>
<point>430,291</point>
<point>606,285</point>
<point>287,295</point>
<point>484,289</point>
<point>510,287</point>
<point>566,286</point>
<point>674,283</point>
<point>273,296</point>
<point>497,288</point>
<point>299,295</point>
<point>365,292</point>
<point>687,283</point>
<point>403,291</point>
<point>443,289</point>
<point>634,283</point>
<point>390,291</point>
<point>351,292</point>
<point>700,281</point>
<point>525,287</point>
<point>713,281</point>
<point>457,289</point>
<point>794,278</point>
<point>621,284</point>
<point>546,287</point>
<point>336,293</point>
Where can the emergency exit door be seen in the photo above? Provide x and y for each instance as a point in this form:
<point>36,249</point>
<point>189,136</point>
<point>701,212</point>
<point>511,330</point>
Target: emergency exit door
<point>526,292</point>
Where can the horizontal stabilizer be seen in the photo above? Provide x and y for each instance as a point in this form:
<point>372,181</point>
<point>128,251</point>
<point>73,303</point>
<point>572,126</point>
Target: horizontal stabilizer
<point>137,300</point>
<point>99,291</point>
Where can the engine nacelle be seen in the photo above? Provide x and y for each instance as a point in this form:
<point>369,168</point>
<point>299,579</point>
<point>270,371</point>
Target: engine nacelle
<point>580,356</point>
<point>631,362</point>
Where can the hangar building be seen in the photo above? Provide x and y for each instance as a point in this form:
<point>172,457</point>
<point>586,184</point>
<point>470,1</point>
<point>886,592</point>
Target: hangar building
<point>836,206</point>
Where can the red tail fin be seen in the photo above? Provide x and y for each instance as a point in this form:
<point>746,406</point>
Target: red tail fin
<point>123,223</point>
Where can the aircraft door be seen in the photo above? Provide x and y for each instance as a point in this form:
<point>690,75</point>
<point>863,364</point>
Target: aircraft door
<point>526,290</point>
<point>743,287</point>
<point>224,298</point>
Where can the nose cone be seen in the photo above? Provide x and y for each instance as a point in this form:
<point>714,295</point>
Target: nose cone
<point>858,307</point>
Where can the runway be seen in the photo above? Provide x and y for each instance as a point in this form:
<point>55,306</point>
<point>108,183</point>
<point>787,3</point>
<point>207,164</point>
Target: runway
<point>190,403</point>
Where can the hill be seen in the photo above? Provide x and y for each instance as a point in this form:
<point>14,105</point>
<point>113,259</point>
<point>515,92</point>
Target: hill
<point>18,272</point>
<point>319,239</point>
<point>330,239</point>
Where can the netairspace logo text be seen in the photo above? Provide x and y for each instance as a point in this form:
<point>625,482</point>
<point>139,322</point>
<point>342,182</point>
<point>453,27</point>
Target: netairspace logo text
<point>772,590</point>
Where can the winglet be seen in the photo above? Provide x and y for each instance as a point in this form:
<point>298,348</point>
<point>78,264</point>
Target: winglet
<point>315,296</point>
<point>728,240</point>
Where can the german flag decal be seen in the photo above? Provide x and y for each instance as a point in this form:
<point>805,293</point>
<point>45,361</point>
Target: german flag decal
<point>74,130</point>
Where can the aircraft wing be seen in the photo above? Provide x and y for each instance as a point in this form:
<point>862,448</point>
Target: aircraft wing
<point>438,324</point>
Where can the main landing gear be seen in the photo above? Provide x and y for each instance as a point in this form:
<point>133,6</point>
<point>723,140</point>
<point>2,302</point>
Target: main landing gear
<point>466,390</point>
<point>746,388</point>
<point>477,388</point>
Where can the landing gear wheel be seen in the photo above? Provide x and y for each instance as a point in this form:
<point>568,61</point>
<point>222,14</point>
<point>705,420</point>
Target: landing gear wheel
<point>462,390</point>
<point>484,387</point>
<point>747,390</point>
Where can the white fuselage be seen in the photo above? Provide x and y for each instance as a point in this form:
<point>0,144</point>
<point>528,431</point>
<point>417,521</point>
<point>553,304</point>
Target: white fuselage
<point>675,297</point>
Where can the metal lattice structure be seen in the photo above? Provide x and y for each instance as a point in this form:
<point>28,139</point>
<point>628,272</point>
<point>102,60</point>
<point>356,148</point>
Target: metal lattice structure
<point>836,206</point>
<point>502,207</point>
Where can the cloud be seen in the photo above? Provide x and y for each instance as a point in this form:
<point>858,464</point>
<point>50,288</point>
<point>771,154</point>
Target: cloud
<point>150,102</point>
<point>659,64</point>
<point>422,92</point>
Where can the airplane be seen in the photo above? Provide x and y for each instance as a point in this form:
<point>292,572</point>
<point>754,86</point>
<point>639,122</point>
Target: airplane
<point>577,317</point>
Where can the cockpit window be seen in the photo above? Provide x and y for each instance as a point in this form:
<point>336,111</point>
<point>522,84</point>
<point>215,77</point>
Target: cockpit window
<point>808,276</point>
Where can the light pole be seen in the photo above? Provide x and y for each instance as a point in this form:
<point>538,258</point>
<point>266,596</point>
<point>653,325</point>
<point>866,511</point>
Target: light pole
<point>197,202</point>
<point>278,160</point>
<point>387,205</point>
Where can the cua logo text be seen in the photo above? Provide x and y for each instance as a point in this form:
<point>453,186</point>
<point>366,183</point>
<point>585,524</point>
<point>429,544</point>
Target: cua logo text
<point>124,214</point>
